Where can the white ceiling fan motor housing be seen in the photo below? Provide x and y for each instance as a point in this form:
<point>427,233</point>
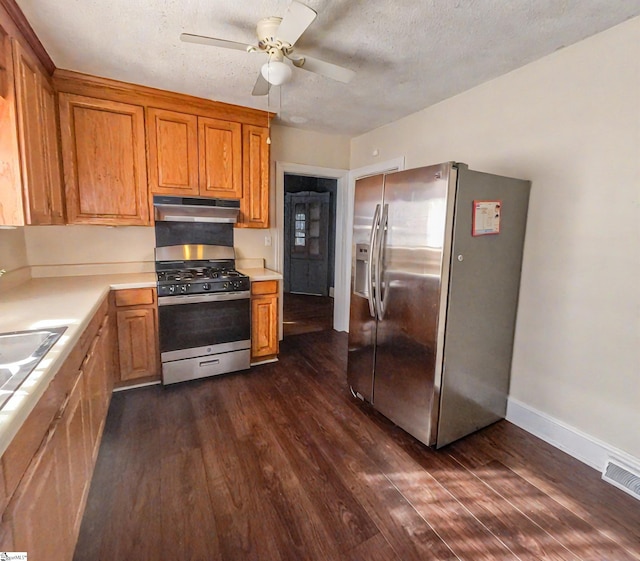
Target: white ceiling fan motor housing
<point>266,31</point>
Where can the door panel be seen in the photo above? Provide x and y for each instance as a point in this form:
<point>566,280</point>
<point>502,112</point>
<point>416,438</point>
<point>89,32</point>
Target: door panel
<point>103,148</point>
<point>173,152</point>
<point>362,326</point>
<point>411,264</point>
<point>30,133</point>
<point>51,152</point>
<point>482,307</point>
<point>308,242</point>
<point>254,205</point>
<point>220,154</point>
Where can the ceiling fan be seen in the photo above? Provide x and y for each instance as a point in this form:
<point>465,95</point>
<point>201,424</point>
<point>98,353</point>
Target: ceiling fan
<point>276,38</point>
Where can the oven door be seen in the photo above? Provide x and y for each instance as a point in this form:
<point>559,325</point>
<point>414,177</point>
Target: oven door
<point>203,324</point>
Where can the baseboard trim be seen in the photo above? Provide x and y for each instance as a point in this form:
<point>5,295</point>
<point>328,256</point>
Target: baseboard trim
<point>134,386</point>
<point>267,361</point>
<point>574,442</point>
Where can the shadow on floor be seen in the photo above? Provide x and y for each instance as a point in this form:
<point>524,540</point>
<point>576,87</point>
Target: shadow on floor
<point>306,314</point>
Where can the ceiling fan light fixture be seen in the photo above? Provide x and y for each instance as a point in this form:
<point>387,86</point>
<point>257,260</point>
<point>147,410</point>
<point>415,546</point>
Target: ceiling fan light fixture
<point>276,72</point>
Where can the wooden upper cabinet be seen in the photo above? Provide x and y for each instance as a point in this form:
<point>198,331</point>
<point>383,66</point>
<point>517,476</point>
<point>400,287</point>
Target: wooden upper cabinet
<point>38,141</point>
<point>254,206</point>
<point>103,147</point>
<point>220,152</point>
<point>30,134</point>
<point>12,211</point>
<point>172,154</point>
<point>53,165</point>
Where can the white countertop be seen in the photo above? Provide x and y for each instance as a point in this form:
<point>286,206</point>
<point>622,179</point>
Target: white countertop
<point>260,273</point>
<point>53,302</point>
<point>62,301</point>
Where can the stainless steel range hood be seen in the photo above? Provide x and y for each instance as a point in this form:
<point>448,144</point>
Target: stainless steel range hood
<point>195,209</point>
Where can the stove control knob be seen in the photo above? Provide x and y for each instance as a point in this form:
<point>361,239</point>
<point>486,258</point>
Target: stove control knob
<point>225,285</point>
<point>206,286</point>
<point>172,288</point>
<point>184,288</point>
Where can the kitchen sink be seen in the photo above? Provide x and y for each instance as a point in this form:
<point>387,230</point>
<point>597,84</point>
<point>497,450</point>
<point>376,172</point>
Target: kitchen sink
<point>20,353</point>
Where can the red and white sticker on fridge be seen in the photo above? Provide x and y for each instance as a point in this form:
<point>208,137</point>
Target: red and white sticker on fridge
<point>486,217</point>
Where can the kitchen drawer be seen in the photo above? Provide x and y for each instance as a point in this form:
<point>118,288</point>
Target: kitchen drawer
<point>135,297</point>
<point>264,287</point>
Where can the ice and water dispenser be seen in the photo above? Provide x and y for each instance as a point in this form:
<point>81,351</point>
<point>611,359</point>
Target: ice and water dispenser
<point>362,270</point>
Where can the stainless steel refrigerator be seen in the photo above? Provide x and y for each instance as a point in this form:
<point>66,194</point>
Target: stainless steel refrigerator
<point>437,253</point>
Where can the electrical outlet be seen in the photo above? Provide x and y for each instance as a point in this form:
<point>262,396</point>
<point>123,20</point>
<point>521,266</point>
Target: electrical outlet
<point>267,241</point>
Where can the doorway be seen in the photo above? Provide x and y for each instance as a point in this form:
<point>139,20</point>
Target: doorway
<point>309,253</point>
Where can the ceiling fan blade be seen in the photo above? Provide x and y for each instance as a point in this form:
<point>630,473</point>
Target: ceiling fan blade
<point>262,86</point>
<point>323,68</point>
<point>294,22</point>
<point>212,41</point>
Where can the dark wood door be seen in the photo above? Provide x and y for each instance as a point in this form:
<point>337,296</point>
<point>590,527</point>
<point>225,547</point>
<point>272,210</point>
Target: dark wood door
<point>307,223</point>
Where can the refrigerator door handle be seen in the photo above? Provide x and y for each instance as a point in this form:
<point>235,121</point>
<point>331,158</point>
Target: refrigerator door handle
<point>370,266</point>
<point>381,300</point>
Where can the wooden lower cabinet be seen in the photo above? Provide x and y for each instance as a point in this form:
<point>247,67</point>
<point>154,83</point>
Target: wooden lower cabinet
<point>46,502</point>
<point>137,323</point>
<point>37,510</point>
<point>75,454</point>
<point>264,320</point>
<point>95,372</point>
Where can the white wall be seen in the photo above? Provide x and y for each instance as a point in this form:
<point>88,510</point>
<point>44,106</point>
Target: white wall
<point>13,258</point>
<point>571,124</point>
<point>297,146</point>
<point>65,245</point>
<point>13,251</point>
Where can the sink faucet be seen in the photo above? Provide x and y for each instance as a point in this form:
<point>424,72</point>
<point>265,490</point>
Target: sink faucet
<point>2,272</point>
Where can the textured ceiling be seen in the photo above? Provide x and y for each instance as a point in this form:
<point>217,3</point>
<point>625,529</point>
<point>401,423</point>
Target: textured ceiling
<point>408,54</point>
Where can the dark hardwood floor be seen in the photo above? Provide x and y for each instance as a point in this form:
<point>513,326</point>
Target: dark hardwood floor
<point>304,313</point>
<point>281,463</point>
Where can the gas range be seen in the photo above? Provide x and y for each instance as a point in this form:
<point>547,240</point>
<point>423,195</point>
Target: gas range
<point>200,280</point>
<point>198,269</point>
<point>204,304</point>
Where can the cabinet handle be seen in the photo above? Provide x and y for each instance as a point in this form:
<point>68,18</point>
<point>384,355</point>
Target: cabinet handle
<point>206,362</point>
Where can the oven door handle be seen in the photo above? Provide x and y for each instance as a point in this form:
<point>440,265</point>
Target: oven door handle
<point>197,298</point>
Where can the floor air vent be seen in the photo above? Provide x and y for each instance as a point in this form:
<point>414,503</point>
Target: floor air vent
<point>622,477</point>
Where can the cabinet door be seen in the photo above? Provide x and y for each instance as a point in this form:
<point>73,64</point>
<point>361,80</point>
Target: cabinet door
<point>264,326</point>
<point>36,511</point>
<point>103,385</point>
<point>172,152</point>
<point>91,375</point>
<point>254,207</point>
<point>51,152</point>
<point>12,211</point>
<point>31,137</point>
<point>220,153</point>
<point>137,343</point>
<point>74,455</point>
<point>103,154</point>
